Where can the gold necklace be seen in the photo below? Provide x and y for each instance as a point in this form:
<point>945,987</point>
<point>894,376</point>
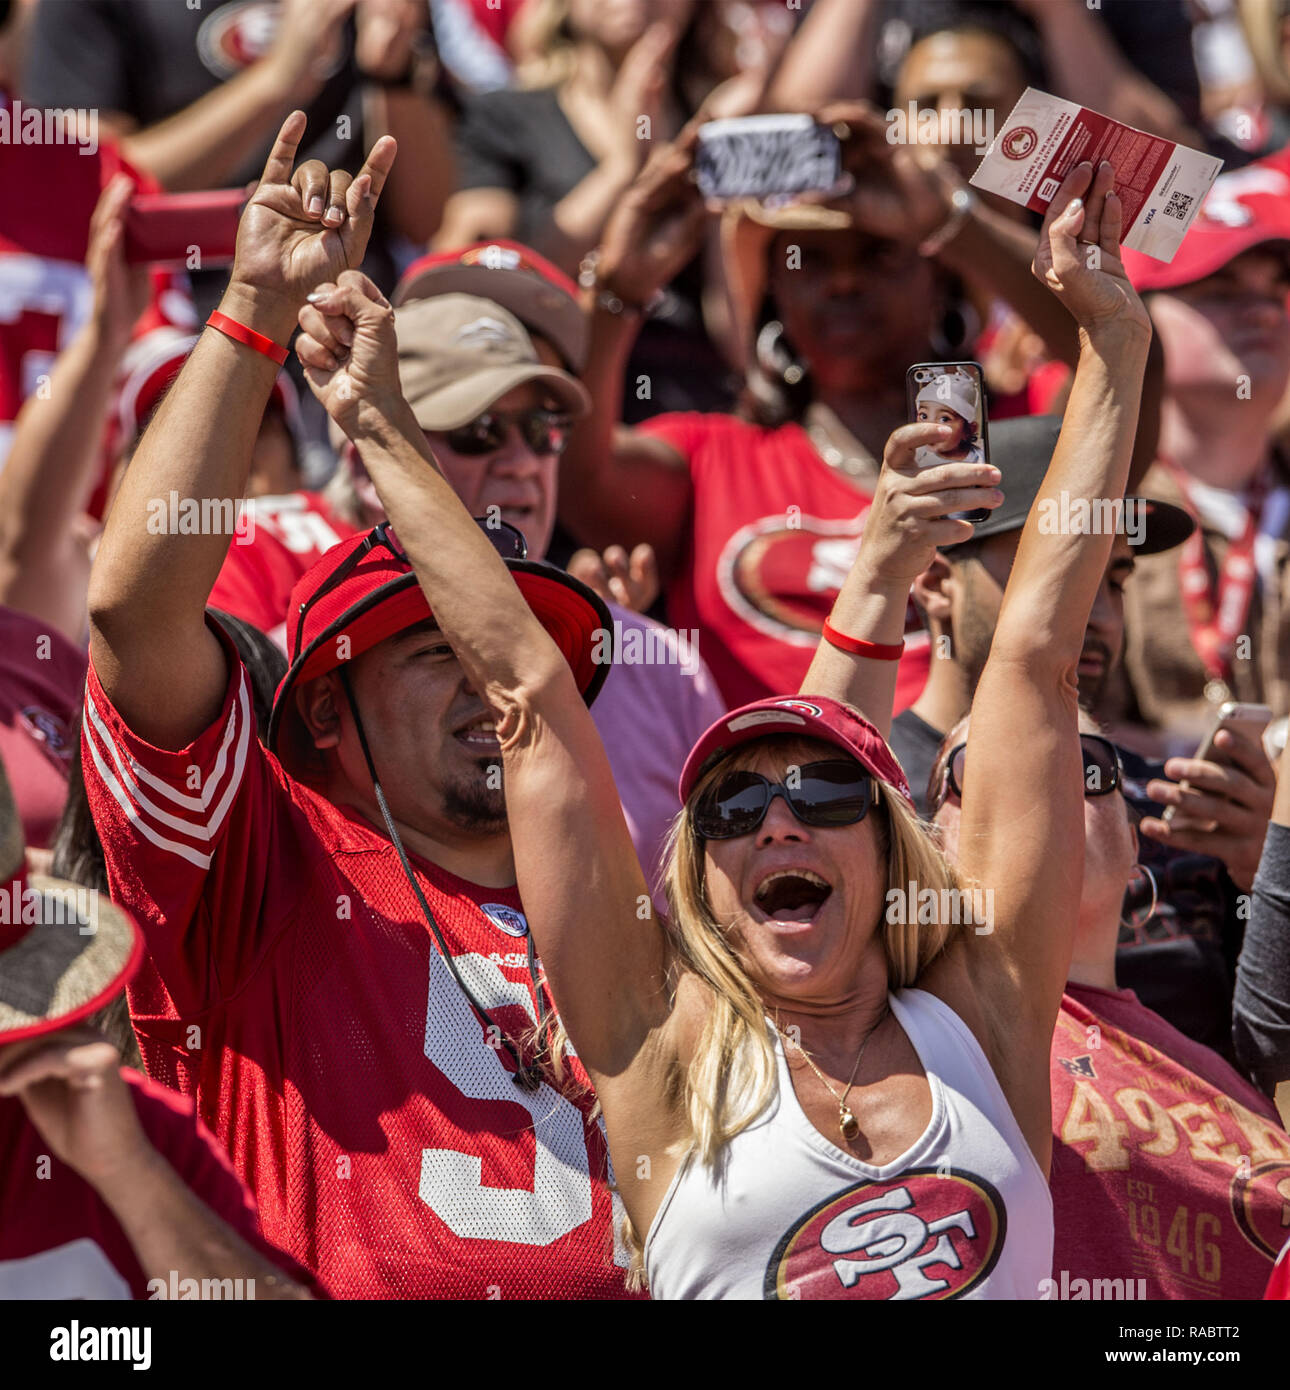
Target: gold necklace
<point>853,465</point>
<point>847,1121</point>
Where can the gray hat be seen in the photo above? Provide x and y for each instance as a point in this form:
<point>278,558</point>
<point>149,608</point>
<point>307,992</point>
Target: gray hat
<point>458,354</point>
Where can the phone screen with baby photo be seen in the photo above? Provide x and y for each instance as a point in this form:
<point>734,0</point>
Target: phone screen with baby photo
<point>950,393</point>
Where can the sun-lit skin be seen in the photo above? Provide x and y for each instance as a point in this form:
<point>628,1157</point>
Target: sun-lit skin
<point>1233,323</point>
<point>974,588</point>
<point>513,478</point>
<point>825,964</point>
<point>1110,852</point>
<point>433,766</point>
<point>954,445</point>
<point>961,71</point>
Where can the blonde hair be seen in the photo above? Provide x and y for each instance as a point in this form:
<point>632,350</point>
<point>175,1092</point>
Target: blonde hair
<point>549,54</point>
<point>732,1076</point>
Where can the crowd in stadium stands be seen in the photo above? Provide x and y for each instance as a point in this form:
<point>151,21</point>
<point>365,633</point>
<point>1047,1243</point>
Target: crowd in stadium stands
<point>496,681</point>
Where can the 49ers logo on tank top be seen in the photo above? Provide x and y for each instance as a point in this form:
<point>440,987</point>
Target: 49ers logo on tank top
<point>920,1235</point>
<point>781,575</point>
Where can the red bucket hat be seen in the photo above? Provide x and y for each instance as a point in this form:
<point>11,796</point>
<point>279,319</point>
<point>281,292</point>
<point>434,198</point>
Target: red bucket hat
<point>806,716</point>
<point>538,293</point>
<point>363,590</point>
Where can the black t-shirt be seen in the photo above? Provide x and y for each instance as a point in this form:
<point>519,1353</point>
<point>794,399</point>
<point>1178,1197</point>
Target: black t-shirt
<point>150,59</point>
<point>522,141</point>
<point>915,744</point>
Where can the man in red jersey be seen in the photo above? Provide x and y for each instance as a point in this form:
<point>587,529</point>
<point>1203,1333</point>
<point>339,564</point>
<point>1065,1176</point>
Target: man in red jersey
<point>357,1010</point>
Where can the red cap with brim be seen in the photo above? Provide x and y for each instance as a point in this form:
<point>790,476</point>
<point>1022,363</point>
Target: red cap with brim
<point>380,596</point>
<point>802,716</point>
<point>1242,210</point>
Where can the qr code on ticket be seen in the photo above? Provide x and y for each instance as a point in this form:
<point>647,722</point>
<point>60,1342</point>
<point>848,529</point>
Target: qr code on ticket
<point>1179,205</point>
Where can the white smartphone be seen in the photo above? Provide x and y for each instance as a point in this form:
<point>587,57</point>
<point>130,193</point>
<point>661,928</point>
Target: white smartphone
<point>1248,720</point>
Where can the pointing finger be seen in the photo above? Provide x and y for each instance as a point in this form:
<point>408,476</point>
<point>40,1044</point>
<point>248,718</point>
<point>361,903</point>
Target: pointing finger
<point>277,168</point>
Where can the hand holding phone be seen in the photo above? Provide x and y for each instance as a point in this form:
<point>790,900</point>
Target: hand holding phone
<point>952,394</point>
<point>766,157</point>
<point>1247,720</point>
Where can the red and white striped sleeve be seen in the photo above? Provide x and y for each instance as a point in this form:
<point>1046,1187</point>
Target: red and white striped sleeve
<point>188,838</point>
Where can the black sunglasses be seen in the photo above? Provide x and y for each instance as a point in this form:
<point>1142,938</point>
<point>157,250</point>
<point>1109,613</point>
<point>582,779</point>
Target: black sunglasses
<point>834,792</point>
<point>544,431</point>
<point>1102,771</point>
<point>506,539</point>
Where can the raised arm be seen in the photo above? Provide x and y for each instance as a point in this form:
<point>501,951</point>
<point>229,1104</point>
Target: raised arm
<point>617,486</point>
<point>583,890</point>
<point>909,519</point>
<point>1022,830</point>
<point>57,440</point>
<point>159,664</point>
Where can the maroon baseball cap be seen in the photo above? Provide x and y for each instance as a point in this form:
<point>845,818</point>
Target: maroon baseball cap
<point>1243,209</point>
<point>363,590</point>
<point>538,293</point>
<point>806,716</point>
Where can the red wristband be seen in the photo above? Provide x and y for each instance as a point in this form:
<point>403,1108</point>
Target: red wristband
<point>240,333</point>
<point>857,646</point>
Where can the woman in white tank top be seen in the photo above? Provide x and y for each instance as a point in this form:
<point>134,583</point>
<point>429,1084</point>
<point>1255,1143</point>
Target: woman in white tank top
<point>821,1078</point>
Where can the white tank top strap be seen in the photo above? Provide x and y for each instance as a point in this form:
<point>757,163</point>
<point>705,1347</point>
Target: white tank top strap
<point>965,1212</point>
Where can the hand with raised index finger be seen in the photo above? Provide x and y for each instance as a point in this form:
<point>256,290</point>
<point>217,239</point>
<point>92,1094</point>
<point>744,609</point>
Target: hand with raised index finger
<point>305,227</point>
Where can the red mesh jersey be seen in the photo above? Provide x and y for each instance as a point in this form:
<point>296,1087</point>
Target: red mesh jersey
<point>293,988</point>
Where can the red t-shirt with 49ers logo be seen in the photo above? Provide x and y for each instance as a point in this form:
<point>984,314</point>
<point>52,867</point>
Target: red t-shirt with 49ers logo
<point>293,988</point>
<point>1170,1174</point>
<point>773,533</point>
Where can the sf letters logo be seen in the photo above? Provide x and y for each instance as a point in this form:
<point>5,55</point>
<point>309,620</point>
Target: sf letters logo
<point>886,1235</point>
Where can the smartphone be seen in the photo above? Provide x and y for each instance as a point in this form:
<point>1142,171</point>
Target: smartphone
<point>183,231</point>
<point>951,393</point>
<point>765,156</point>
<point>1249,720</point>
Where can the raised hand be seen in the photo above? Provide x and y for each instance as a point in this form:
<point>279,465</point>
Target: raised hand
<point>898,191</point>
<point>657,227</point>
<point>120,290</point>
<point>909,519</point>
<point>304,228</point>
<point>631,581</point>
<point>348,349</point>
<point>1078,256</point>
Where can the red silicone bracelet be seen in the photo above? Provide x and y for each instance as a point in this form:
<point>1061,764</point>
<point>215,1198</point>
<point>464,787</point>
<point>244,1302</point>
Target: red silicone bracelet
<point>857,646</point>
<point>240,333</point>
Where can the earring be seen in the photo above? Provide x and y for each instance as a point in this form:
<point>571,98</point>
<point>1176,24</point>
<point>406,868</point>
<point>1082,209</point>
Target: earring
<point>773,356</point>
<point>1155,899</point>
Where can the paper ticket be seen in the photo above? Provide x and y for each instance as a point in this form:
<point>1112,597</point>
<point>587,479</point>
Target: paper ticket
<point>1160,184</point>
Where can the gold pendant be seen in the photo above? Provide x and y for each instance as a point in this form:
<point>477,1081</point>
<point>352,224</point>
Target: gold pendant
<point>847,1122</point>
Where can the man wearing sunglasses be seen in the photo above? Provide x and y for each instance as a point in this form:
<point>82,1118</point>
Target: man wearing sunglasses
<point>1179,957</point>
<point>487,380</point>
<point>339,966</point>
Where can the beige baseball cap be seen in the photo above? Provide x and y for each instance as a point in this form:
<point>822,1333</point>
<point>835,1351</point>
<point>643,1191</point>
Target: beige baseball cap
<point>458,354</point>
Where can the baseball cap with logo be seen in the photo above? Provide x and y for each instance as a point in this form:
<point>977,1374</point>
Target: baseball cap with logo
<point>65,950</point>
<point>458,354</point>
<point>806,716</point>
<point>538,293</point>
<point>1243,209</point>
